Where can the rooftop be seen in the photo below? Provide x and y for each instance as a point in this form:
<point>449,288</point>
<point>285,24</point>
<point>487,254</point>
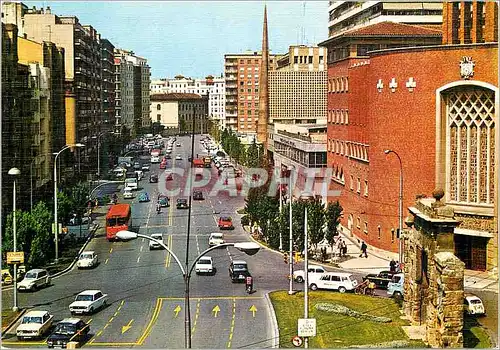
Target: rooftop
<point>176,96</point>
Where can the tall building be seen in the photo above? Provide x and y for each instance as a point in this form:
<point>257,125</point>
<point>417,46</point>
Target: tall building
<point>302,58</point>
<point>242,90</point>
<point>435,119</point>
<point>347,15</point>
<point>108,84</point>
<point>176,112</point>
<point>132,84</point>
<point>263,114</point>
<point>13,13</point>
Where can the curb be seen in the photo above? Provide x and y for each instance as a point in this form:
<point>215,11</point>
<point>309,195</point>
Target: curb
<point>11,324</point>
<point>274,321</point>
<point>70,267</point>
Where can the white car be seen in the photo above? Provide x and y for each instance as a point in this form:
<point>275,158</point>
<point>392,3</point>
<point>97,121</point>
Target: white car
<point>154,245</point>
<point>473,304</point>
<point>34,279</point>
<point>88,301</point>
<point>204,265</point>
<point>34,324</point>
<point>131,182</point>
<point>155,159</point>
<point>87,259</point>
<point>315,272</point>
<point>178,144</point>
<point>145,167</point>
<point>127,193</point>
<point>178,157</point>
<point>340,281</point>
<point>215,238</point>
<point>139,174</point>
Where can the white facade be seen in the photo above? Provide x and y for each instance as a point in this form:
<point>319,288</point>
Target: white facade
<point>166,113</point>
<point>217,102</point>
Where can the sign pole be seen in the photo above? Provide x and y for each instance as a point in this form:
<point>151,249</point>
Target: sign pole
<point>15,307</point>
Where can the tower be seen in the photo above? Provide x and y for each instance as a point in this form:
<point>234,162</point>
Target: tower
<point>263,89</point>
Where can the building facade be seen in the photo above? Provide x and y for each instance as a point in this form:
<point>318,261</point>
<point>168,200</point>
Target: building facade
<point>347,15</point>
<point>302,58</point>
<point>376,103</point>
<point>108,84</point>
<point>242,73</point>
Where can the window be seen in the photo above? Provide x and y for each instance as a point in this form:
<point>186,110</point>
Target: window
<point>352,182</point>
<point>346,116</point>
<point>366,188</point>
<point>158,107</point>
<point>310,59</point>
<point>378,227</point>
<point>366,228</point>
<point>358,187</point>
<point>158,117</point>
<point>358,222</point>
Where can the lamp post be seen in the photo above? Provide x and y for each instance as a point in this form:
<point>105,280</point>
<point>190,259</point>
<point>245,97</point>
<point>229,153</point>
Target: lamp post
<point>290,260</point>
<point>400,214</point>
<point>98,137</point>
<point>14,172</point>
<point>56,225</point>
<point>249,248</point>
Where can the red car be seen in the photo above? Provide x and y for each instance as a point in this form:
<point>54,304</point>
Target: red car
<point>163,165</point>
<point>225,222</point>
<point>170,177</point>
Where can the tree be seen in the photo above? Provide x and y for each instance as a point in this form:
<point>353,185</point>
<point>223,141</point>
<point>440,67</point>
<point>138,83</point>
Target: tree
<point>79,196</point>
<point>298,211</point>
<point>316,221</point>
<point>252,155</point>
<point>64,207</point>
<point>42,246</point>
<point>333,215</point>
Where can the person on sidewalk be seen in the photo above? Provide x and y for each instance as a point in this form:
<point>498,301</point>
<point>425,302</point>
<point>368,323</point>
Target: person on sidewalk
<point>392,265</point>
<point>363,250</point>
<point>344,248</point>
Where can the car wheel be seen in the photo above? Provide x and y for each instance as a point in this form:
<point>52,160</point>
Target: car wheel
<point>20,338</point>
<point>104,304</point>
<point>299,279</point>
<point>91,310</point>
<point>34,288</point>
<point>398,295</point>
<point>313,286</point>
<point>342,289</point>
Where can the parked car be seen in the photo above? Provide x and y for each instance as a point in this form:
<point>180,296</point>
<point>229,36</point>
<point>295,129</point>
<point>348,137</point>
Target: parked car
<point>139,174</point>
<point>226,222</point>
<point>137,166</point>
<point>168,156</point>
<point>340,281</point>
<point>198,196</point>
<point>87,259</point>
<point>145,167</point>
<point>34,324</point>
<point>473,305</point>
<point>178,157</point>
<point>381,279</point>
<point>154,245</point>
<point>153,178</point>
<point>155,159</point>
<point>204,265</point>
<point>395,286</point>
<point>182,203</point>
<point>88,301</point>
<point>164,201</point>
<point>238,271</point>
<point>215,238</point>
<point>170,177</point>
<point>315,271</point>
<point>163,165</point>
<point>69,329</point>
<point>77,220</point>
<point>127,193</point>
<point>144,197</point>
<point>33,280</point>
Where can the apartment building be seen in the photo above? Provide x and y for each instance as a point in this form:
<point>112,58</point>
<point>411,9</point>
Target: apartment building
<point>302,58</point>
<point>241,73</point>
<point>108,84</point>
<point>347,15</point>
<point>176,112</point>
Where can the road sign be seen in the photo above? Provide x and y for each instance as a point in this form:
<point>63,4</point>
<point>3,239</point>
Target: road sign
<point>307,327</point>
<point>15,257</point>
<point>297,341</point>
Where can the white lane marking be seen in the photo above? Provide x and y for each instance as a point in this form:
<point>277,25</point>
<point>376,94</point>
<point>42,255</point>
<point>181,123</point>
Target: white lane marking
<point>141,248</point>
<point>198,245</point>
<point>138,258</point>
<point>229,253</point>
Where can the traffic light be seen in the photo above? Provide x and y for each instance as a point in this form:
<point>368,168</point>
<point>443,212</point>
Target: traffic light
<point>285,258</point>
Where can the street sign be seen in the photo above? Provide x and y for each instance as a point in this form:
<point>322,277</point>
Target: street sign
<point>15,257</point>
<point>307,327</point>
<point>297,341</point>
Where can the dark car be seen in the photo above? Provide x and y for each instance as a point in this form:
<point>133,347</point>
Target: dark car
<point>69,329</point>
<point>182,203</point>
<point>153,178</point>
<point>381,279</point>
<point>137,166</point>
<point>198,195</point>
<point>164,201</point>
<point>238,271</point>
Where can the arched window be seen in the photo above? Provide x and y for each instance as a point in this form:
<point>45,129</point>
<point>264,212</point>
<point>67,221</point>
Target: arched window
<point>158,107</point>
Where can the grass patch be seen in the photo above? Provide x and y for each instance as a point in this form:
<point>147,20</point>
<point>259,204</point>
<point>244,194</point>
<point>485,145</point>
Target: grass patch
<point>475,336</point>
<point>8,316</point>
<point>336,330</point>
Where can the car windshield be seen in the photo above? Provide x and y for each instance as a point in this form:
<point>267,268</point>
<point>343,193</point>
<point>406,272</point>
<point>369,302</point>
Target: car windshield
<point>475,301</point>
<point>217,236</point>
<point>30,275</point>
<point>130,181</point>
<point>204,261</point>
<point>86,256</point>
<point>84,297</point>
<point>240,266</point>
<point>31,319</point>
<point>225,218</point>
<point>65,328</point>
<point>181,201</point>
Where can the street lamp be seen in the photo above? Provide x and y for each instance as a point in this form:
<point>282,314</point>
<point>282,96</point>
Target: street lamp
<point>400,250</point>
<point>14,172</point>
<point>98,137</point>
<point>56,225</point>
<point>248,248</point>
<point>290,261</point>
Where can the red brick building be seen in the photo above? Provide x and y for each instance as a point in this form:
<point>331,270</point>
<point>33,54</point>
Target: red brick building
<point>436,106</point>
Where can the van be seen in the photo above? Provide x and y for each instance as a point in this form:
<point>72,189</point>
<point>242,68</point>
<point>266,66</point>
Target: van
<point>131,183</point>
<point>340,281</point>
<point>395,286</point>
<point>33,280</point>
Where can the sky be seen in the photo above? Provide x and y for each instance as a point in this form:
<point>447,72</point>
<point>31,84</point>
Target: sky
<point>191,37</point>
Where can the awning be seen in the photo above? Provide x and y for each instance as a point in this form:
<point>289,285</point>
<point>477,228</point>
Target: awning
<point>475,233</point>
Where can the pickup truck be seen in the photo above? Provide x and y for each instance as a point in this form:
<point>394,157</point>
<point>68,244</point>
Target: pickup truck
<point>381,279</point>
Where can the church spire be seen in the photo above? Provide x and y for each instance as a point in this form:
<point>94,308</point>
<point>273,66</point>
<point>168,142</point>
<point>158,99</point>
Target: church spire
<point>263,88</point>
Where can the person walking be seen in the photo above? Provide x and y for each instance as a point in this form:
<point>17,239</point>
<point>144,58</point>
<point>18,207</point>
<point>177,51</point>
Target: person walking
<point>339,246</point>
<point>392,266</point>
<point>344,248</point>
<point>363,250</point>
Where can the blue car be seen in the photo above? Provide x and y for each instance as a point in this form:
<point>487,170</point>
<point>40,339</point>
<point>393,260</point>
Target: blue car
<point>144,197</point>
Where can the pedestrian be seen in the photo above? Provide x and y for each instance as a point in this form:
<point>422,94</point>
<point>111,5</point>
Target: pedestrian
<point>344,248</point>
<point>371,287</point>
<point>339,246</point>
<point>363,250</point>
<point>392,266</point>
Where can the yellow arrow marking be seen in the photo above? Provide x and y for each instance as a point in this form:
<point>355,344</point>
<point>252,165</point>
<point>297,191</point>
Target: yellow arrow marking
<point>177,310</point>
<point>253,309</point>
<point>216,310</point>
<point>127,327</point>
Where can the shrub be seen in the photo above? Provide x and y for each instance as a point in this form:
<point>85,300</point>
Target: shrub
<point>245,220</point>
<point>340,309</point>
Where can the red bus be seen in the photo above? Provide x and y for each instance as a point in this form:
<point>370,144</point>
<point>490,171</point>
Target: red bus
<point>198,163</point>
<point>119,218</point>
